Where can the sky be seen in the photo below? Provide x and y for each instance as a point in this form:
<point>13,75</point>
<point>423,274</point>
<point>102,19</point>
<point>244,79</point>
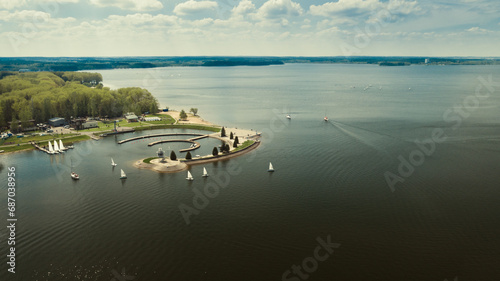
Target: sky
<point>249,28</point>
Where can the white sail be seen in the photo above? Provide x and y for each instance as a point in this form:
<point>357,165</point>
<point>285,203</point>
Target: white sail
<point>271,169</point>
<point>56,146</point>
<point>190,177</point>
<point>205,173</point>
<point>61,146</point>
<point>51,149</point>
<point>113,162</point>
<point>123,175</point>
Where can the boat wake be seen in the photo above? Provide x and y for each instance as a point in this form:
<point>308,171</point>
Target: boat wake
<point>374,141</point>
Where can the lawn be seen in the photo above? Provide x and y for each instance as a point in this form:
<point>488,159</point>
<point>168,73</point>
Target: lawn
<point>148,160</point>
<point>36,138</point>
<point>24,146</point>
<point>243,145</point>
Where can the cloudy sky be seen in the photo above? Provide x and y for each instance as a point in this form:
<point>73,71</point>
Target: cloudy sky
<point>249,27</point>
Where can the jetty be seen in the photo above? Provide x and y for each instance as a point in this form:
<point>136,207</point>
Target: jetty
<point>197,137</point>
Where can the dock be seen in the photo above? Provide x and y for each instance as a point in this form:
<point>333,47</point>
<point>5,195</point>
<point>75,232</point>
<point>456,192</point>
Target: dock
<point>197,137</point>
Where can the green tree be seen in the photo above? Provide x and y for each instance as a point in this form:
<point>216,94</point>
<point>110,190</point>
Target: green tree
<point>183,114</point>
<point>236,142</point>
<point>173,157</point>
<point>188,155</point>
<point>14,126</point>
<point>153,107</point>
<point>223,132</point>
<point>215,151</point>
<point>231,136</point>
<point>194,111</point>
<point>25,116</point>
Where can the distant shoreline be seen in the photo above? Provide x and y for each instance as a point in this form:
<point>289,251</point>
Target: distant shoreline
<point>105,63</point>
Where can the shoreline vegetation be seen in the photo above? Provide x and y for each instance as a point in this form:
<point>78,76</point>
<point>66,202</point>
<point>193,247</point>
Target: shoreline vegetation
<point>29,101</point>
<point>99,63</point>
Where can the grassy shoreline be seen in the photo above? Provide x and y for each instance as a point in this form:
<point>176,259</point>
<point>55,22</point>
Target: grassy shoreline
<point>27,146</point>
<point>24,145</point>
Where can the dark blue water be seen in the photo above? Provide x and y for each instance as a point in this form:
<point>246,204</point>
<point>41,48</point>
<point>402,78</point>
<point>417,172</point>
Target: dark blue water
<point>436,218</point>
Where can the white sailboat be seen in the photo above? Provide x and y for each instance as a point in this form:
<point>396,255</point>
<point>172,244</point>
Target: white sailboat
<point>51,149</point>
<point>58,147</point>
<point>205,173</point>
<point>113,163</point>
<point>123,175</point>
<point>288,116</point>
<point>271,169</point>
<point>61,146</point>
<point>190,177</point>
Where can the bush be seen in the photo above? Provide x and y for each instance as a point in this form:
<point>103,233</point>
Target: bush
<point>173,156</point>
<point>215,151</point>
<point>223,132</point>
<point>231,136</point>
<point>188,155</point>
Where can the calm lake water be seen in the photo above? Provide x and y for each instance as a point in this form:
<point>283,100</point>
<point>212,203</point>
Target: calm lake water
<point>398,210</point>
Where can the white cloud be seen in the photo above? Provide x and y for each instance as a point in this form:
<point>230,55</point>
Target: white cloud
<point>245,7</point>
<point>478,30</point>
<point>279,8</point>
<point>11,4</point>
<point>26,16</point>
<point>362,7</point>
<point>133,5</point>
<point>142,19</point>
<point>195,7</point>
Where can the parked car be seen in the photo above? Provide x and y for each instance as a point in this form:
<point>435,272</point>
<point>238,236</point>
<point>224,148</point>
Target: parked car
<point>66,127</point>
<point>50,131</point>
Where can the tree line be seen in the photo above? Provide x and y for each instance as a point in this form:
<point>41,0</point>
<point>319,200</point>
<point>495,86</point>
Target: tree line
<point>40,96</point>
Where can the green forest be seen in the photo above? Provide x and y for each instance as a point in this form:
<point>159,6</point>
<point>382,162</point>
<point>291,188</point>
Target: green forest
<point>40,96</point>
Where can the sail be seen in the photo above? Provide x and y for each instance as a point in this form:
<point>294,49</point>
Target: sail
<point>271,167</point>
<point>123,174</point>
<point>50,147</point>
<point>61,146</point>
<point>56,147</point>
<point>113,162</point>
<point>190,177</point>
<point>205,174</point>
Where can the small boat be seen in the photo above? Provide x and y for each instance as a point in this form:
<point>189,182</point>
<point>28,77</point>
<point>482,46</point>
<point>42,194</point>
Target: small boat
<point>74,175</point>
<point>190,177</point>
<point>325,119</point>
<point>123,175</point>
<point>205,173</point>
<point>61,146</point>
<point>113,163</point>
<point>271,169</point>
<point>51,149</point>
<point>56,147</point>
<point>288,116</point>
